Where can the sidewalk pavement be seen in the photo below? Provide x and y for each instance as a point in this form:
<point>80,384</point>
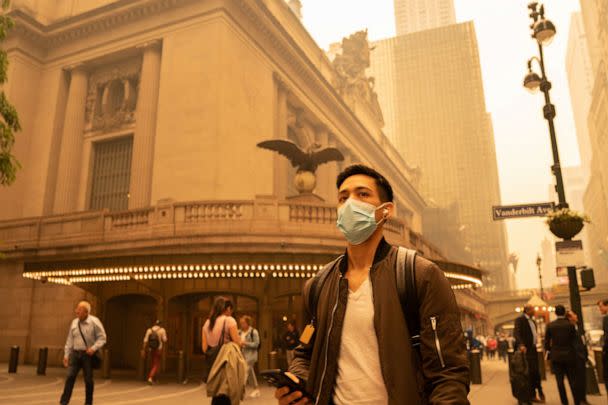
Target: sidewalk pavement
<point>496,388</point>
<point>26,388</point>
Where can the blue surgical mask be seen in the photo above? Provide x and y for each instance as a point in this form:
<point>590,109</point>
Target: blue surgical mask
<point>357,221</point>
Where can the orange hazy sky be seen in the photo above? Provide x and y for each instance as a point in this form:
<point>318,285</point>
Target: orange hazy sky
<point>521,134</point>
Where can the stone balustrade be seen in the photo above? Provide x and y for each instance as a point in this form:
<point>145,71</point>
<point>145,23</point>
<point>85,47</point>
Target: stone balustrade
<point>266,216</point>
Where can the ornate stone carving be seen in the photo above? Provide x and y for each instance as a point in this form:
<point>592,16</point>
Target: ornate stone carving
<point>112,96</point>
<point>351,80</point>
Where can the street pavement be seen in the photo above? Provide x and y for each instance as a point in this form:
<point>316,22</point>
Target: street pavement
<point>25,388</point>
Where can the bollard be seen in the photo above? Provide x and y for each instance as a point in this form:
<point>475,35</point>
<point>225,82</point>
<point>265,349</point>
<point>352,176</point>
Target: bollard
<point>592,387</point>
<point>14,360</point>
<point>141,366</point>
<point>180,366</point>
<point>43,354</point>
<point>599,364</point>
<point>273,360</point>
<point>105,363</point>
<point>475,366</point>
<point>542,369</point>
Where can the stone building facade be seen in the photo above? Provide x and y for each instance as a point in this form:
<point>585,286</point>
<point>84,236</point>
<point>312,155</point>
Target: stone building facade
<point>142,188</point>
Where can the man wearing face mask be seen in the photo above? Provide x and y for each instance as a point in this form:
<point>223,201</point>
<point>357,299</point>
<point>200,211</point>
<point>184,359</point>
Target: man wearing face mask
<point>356,348</point>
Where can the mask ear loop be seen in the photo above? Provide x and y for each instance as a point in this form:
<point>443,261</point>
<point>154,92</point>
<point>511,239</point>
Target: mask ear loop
<point>384,218</point>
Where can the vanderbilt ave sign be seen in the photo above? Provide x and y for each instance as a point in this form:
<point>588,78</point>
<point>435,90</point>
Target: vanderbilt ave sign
<point>521,211</point>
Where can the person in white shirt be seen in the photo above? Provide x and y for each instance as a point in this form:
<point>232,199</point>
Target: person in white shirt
<point>85,337</point>
<point>154,341</point>
<point>250,344</point>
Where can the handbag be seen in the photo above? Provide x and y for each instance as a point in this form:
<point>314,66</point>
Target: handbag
<point>213,351</point>
<point>96,357</point>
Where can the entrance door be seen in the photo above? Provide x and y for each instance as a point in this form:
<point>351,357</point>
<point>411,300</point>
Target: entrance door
<point>187,315</point>
<point>127,317</point>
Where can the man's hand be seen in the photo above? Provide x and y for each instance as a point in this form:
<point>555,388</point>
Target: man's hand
<point>90,351</point>
<point>523,349</point>
<point>285,398</point>
<point>65,362</point>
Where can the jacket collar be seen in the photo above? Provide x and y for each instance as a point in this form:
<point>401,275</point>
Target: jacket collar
<point>381,252</point>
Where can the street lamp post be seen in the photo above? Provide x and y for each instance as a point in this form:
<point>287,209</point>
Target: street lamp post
<point>543,32</point>
<point>540,276</point>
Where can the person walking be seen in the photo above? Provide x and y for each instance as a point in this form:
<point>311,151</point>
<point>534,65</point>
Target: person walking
<point>560,340</point>
<point>503,347</point>
<point>250,344</point>
<point>85,337</point>
<point>603,307</point>
<point>290,341</point>
<point>218,329</point>
<point>361,345</point>
<point>154,342</point>
<point>580,346</point>
<point>526,339</point>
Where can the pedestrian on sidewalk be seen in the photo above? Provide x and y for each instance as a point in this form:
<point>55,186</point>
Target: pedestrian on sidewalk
<point>250,344</point>
<point>154,342</point>
<point>560,339</point>
<point>291,340</point>
<point>603,306</point>
<point>580,346</point>
<point>526,338</point>
<point>85,337</point>
<point>218,329</point>
<point>357,347</point>
<point>503,347</point>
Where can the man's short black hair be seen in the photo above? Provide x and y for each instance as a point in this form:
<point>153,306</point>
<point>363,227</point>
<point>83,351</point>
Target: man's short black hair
<point>560,310</point>
<point>603,302</point>
<point>384,187</point>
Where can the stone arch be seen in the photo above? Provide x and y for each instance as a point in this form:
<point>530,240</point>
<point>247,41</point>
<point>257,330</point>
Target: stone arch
<point>126,319</point>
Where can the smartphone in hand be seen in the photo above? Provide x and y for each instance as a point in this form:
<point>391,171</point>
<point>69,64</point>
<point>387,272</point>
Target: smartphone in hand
<point>279,379</point>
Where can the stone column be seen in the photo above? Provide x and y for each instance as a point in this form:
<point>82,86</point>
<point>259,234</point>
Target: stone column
<point>280,164</point>
<point>325,180</point>
<point>70,154</point>
<point>140,188</point>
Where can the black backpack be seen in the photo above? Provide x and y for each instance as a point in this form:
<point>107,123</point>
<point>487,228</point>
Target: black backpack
<point>406,288</point>
<point>153,340</point>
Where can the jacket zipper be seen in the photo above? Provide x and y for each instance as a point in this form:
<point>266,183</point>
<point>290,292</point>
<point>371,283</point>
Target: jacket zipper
<point>437,344</point>
<point>331,324</point>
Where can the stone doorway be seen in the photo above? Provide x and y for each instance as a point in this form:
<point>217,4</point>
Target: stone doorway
<point>127,317</point>
<point>186,316</point>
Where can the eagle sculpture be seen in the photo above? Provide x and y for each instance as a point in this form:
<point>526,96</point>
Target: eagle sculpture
<point>304,160</point>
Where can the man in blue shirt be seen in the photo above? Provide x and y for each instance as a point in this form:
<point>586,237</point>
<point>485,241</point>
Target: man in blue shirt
<point>85,337</point>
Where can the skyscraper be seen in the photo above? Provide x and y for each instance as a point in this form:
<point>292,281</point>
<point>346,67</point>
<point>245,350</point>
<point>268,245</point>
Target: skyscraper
<point>431,93</point>
<point>419,15</point>
<point>595,17</point>
<point>580,80</point>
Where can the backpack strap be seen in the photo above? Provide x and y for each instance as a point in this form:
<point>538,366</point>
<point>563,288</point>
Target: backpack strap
<point>405,275</point>
<point>317,285</point>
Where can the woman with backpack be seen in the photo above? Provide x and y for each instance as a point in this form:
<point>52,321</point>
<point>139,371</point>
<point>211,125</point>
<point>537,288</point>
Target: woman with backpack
<point>250,343</point>
<point>219,329</point>
<point>154,340</point>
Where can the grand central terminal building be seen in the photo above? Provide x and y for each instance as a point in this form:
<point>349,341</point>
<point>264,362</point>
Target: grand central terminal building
<point>143,190</point>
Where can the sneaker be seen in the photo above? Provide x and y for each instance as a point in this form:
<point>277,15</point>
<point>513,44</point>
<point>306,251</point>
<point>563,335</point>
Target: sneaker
<point>255,393</point>
<point>150,381</point>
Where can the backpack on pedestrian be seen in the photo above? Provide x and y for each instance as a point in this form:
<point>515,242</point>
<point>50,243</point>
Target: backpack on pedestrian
<point>153,340</point>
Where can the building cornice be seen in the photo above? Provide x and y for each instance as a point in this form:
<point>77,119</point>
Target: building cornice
<point>294,56</point>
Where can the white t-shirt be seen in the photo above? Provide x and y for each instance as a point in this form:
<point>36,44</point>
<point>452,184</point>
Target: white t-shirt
<point>359,380</point>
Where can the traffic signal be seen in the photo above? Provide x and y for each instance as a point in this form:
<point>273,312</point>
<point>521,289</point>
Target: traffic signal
<point>587,279</point>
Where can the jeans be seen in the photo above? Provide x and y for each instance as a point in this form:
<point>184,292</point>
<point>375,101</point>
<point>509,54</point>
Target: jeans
<point>155,355</point>
<point>251,378</point>
<point>569,370</point>
<point>78,360</point>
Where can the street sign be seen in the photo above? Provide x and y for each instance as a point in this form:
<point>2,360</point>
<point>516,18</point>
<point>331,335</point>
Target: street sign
<point>569,253</point>
<point>500,212</point>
